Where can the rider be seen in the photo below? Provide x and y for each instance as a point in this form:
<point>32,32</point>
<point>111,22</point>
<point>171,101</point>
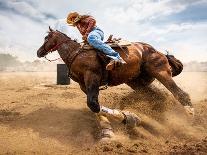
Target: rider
<point>94,35</point>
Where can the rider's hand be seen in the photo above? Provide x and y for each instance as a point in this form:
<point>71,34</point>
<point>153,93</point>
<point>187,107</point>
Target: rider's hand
<point>84,37</point>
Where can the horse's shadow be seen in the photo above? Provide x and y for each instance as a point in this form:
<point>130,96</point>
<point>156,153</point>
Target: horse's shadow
<point>64,125</point>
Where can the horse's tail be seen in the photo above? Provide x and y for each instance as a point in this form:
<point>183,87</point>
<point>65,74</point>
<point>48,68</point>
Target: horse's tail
<point>175,64</point>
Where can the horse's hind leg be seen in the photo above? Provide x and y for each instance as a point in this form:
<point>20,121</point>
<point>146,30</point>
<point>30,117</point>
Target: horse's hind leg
<point>160,69</point>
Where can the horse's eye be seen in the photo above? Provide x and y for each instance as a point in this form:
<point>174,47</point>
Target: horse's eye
<point>46,38</point>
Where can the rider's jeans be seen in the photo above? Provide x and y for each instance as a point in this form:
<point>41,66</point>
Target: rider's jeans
<point>95,39</point>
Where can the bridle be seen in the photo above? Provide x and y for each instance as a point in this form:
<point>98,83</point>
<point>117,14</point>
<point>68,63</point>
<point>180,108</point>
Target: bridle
<point>54,48</point>
<point>68,57</point>
<point>72,58</point>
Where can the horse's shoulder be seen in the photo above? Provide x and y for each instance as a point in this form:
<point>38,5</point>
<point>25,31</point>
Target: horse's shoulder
<point>88,57</point>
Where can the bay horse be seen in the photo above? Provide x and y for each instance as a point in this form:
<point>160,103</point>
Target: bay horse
<point>144,65</point>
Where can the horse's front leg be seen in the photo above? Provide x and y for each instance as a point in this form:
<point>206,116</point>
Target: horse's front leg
<point>130,119</point>
<point>92,81</point>
<point>105,127</point>
<point>91,88</point>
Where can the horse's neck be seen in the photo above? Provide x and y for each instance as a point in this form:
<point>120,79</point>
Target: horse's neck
<point>68,49</point>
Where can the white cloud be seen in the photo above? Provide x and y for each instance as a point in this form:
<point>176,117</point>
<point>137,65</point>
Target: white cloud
<point>24,8</point>
<point>186,41</point>
<point>132,19</point>
<point>140,11</point>
<point>20,35</point>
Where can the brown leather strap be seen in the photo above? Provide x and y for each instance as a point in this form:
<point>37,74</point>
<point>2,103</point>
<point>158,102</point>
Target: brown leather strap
<point>125,52</point>
<point>71,60</point>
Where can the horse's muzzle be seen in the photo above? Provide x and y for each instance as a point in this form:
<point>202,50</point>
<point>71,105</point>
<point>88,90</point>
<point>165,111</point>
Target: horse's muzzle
<point>41,53</point>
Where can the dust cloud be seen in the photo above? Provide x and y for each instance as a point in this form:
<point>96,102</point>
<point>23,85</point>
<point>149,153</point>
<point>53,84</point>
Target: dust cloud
<point>39,117</point>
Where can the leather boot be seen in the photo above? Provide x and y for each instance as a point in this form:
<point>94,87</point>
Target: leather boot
<point>114,64</point>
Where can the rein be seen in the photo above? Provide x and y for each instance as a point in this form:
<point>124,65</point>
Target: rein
<point>70,61</point>
<point>77,52</point>
<point>53,49</point>
<point>69,58</point>
<point>52,59</point>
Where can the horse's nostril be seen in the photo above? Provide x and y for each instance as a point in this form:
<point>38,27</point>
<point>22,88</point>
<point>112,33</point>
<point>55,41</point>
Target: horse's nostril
<point>39,53</point>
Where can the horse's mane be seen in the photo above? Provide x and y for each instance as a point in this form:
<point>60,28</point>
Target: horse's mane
<point>75,40</point>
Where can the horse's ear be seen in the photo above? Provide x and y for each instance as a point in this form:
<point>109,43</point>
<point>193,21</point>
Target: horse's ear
<point>50,29</point>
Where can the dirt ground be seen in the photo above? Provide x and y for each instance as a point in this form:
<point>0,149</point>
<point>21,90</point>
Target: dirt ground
<point>39,117</point>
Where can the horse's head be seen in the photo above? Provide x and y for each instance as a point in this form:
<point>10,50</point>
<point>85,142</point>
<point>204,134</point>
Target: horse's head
<point>51,43</point>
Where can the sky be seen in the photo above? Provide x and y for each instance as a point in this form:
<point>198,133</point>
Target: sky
<point>178,26</point>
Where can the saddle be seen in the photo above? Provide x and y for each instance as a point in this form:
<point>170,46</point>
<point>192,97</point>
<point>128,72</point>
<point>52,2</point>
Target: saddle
<point>112,42</point>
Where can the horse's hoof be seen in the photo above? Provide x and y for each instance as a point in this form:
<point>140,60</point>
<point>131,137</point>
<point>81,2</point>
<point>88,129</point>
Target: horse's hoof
<point>189,110</point>
<point>107,134</point>
<point>131,119</point>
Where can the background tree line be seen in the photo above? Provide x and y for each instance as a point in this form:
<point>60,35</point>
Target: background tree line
<point>9,62</point>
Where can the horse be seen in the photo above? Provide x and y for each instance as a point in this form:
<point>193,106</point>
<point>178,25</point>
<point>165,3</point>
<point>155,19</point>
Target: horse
<point>143,65</point>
